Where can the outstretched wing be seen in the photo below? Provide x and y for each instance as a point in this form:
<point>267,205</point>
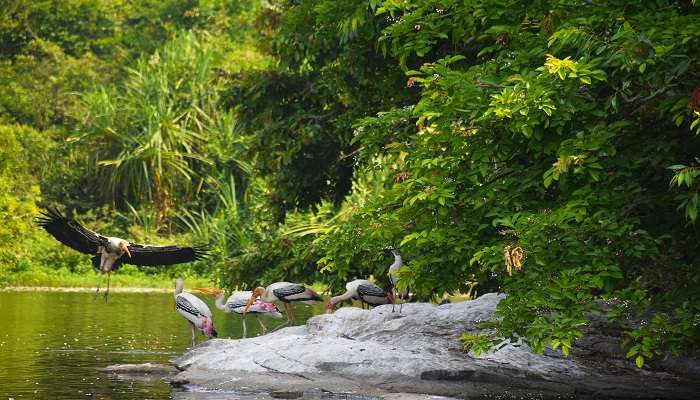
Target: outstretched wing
<point>162,255</point>
<point>70,232</point>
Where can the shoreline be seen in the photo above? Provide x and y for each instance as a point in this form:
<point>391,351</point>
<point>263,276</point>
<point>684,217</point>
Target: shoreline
<point>82,289</point>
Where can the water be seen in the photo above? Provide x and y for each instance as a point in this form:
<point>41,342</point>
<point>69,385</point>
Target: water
<point>52,343</point>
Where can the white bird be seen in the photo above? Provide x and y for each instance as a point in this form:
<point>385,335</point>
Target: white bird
<point>285,292</point>
<point>393,278</point>
<point>236,304</point>
<point>110,252</point>
<point>365,291</point>
<point>195,311</point>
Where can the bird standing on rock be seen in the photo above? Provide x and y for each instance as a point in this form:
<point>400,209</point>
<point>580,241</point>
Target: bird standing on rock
<point>393,268</point>
<point>110,252</point>
<point>365,291</point>
<point>195,311</point>
<point>237,302</point>
<point>285,292</point>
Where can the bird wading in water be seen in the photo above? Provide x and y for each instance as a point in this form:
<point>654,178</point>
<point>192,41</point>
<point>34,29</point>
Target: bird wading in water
<point>285,292</point>
<point>365,291</point>
<point>237,302</point>
<point>110,252</point>
<point>195,311</point>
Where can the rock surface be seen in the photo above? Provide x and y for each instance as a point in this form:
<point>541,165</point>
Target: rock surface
<point>145,368</point>
<point>378,352</point>
<point>140,372</point>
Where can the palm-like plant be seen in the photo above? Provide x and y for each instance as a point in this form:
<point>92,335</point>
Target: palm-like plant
<point>147,139</point>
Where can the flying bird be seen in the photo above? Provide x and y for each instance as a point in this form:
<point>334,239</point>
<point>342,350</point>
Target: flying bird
<point>237,302</point>
<point>110,252</point>
<point>195,312</point>
<point>285,292</point>
<point>365,291</point>
<point>393,268</point>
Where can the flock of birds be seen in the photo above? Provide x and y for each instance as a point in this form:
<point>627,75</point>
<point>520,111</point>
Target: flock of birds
<point>108,253</point>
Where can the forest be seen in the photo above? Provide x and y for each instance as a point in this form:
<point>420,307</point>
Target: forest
<point>547,150</point>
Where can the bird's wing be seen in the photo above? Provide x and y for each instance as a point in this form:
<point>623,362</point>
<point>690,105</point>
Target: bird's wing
<point>237,301</point>
<point>191,305</point>
<point>370,290</point>
<point>162,255</point>
<point>289,290</point>
<point>70,232</point>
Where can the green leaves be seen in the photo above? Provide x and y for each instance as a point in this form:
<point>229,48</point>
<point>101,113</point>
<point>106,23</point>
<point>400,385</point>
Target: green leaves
<point>151,134</point>
<point>509,129</point>
<point>583,69</point>
<point>690,200</point>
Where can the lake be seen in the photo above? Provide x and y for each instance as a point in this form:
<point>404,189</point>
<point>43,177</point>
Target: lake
<point>52,343</point>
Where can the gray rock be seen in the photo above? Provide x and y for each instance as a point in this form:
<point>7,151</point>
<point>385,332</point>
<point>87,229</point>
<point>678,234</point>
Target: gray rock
<point>377,352</point>
<point>145,368</point>
<point>140,372</point>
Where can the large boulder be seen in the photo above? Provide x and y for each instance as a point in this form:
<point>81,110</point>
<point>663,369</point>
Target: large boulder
<point>376,352</point>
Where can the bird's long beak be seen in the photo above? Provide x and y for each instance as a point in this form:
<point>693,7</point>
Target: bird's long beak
<point>251,300</point>
<point>124,248</point>
<point>213,292</point>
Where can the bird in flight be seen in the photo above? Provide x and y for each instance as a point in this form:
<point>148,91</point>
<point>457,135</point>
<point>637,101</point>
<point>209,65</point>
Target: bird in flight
<point>108,253</point>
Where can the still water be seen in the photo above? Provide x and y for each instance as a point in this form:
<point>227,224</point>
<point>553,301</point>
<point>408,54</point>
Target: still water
<point>52,343</point>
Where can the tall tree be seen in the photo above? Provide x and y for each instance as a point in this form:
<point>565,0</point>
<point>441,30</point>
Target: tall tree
<point>147,138</point>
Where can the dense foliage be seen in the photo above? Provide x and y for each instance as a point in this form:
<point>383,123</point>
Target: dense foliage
<point>545,149</point>
<point>108,109</point>
<point>529,151</point>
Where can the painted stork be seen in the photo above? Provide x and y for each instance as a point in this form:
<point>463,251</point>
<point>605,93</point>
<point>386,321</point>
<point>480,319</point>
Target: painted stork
<point>236,304</point>
<point>365,291</point>
<point>195,312</point>
<point>110,252</point>
<point>398,263</point>
<point>285,292</point>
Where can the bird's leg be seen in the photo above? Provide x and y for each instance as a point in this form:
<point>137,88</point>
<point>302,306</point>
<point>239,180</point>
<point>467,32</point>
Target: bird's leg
<point>393,304</point>
<point>291,315</point>
<point>264,329</point>
<point>245,328</point>
<point>287,310</point>
<point>98,286</point>
<point>109,277</point>
<point>194,335</point>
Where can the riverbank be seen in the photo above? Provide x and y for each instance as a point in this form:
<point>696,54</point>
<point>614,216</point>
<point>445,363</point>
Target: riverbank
<point>83,289</point>
<point>125,278</point>
<point>377,352</point>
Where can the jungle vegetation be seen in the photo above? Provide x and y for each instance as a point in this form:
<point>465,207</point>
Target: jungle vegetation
<point>547,150</point>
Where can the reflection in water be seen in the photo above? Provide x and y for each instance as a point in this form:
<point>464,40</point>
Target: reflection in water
<point>52,343</point>
<point>222,395</point>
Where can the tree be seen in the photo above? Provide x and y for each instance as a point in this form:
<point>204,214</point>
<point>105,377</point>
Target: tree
<point>149,136</point>
<point>534,160</point>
